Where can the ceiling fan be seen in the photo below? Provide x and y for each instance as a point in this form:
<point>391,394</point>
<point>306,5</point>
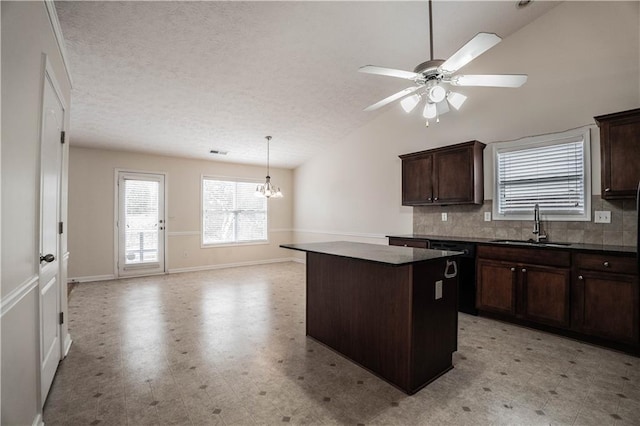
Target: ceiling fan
<point>431,76</point>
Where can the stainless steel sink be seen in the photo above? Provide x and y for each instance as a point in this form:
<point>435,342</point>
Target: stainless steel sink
<point>531,243</point>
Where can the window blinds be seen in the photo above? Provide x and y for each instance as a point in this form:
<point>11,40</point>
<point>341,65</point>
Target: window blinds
<point>232,213</point>
<point>550,175</point>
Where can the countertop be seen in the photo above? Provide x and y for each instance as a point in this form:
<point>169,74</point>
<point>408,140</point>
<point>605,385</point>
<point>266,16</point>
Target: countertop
<point>390,255</point>
<point>600,248</point>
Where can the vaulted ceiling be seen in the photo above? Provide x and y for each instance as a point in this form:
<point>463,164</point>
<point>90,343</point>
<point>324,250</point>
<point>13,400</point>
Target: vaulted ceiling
<point>182,78</point>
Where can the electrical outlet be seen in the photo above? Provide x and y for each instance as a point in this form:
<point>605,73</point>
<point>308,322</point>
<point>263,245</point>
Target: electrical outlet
<point>444,217</point>
<point>487,216</point>
<point>602,217</point>
<point>439,289</point>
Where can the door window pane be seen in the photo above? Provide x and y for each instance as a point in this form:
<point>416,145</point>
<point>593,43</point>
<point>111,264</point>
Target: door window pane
<point>141,221</point>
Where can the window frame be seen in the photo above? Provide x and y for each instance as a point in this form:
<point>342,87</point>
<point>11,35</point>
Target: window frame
<point>233,243</point>
<point>574,135</point>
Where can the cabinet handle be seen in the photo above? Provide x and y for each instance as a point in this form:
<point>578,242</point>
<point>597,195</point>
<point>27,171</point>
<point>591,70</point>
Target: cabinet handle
<point>606,264</point>
<point>429,199</point>
<point>435,199</point>
<point>524,270</point>
<point>513,269</point>
<point>405,245</point>
<point>607,190</point>
<point>580,277</point>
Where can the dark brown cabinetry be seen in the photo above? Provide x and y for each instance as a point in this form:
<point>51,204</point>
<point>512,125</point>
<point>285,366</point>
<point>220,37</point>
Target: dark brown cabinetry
<point>620,153</point>
<point>528,284</point>
<point>605,297</point>
<point>448,175</point>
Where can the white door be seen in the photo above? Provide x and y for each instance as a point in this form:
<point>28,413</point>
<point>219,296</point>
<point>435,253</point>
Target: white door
<point>141,224</point>
<point>49,283</point>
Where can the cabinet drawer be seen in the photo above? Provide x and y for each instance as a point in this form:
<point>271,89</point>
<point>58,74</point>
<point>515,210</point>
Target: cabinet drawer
<point>536,256</point>
<point>408,242</point>
<point>606,263</point>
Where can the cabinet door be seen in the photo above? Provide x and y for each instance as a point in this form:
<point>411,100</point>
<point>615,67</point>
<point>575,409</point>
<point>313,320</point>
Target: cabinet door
<point>545,295</point>
<point>609,305</point>
<point>496,283</point>
<point>620,150</point>
<point>417,178</point>
<point>453,176</point>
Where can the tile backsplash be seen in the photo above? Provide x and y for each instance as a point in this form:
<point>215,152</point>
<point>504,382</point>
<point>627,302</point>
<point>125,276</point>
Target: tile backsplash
<point>468,221</point>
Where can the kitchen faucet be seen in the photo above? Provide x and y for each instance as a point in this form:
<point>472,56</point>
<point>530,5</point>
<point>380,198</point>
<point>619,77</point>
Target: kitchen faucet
<point>536,225</point>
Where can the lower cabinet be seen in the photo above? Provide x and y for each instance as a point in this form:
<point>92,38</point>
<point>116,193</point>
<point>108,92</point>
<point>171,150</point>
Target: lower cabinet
<point>511,284</point>
<point>606,297</point>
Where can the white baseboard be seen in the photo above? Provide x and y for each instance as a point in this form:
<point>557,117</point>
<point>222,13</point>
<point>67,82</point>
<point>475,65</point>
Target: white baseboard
<point>230,265</point>
<point>92,278</point>
<point>38,420</point>
<point>67,345</point>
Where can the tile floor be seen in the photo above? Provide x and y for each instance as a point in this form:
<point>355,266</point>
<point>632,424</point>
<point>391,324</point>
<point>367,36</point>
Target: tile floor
<point>228,347</point>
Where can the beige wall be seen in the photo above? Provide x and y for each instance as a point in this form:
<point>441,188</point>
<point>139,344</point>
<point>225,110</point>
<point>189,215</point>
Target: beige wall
<point>26,34</point>
<point>91,212</point>
<point>582,59</point>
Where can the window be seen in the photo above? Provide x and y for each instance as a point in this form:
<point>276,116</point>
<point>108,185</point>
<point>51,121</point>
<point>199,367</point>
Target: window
<point>231,213</point>
<point>550,170</point>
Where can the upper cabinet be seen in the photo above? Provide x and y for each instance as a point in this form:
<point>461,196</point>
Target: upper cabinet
<point>620,153</point>
<point>448,175</point>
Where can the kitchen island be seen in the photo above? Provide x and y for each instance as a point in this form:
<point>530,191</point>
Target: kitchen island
<point>392,310</point>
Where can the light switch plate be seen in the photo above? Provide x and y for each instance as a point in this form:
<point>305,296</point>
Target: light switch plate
<point>487,216</point>
<point>439,289</point>
<point>444,217</point>
<point>602,217</point>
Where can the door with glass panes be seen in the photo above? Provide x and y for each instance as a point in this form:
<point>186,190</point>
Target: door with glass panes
<point>141,224</point>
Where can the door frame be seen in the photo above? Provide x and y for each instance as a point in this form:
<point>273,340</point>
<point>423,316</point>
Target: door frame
<point>116,216</point>
<point>48,75</point>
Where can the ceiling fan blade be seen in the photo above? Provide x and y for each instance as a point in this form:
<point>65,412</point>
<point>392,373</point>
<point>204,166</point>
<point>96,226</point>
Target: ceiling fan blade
<point>467,53</point>
<point>390,72</point>
<point>392,98</point>
<point>489,80</point>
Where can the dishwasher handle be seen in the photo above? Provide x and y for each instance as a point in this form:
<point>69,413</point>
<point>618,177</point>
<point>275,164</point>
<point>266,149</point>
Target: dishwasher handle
<point>451,264</point>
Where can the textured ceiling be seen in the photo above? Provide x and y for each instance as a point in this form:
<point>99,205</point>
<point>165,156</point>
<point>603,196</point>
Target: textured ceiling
<point>182,78</point>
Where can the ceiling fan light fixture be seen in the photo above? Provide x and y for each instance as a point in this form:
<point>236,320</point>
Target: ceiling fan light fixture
<point>410,102</point>
<point>436,93</point>
<point>456,99</point>
<point>430,111</point>
<point>442,108</point>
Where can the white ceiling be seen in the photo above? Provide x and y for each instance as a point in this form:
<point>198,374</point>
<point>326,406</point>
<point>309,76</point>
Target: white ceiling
<point>182,78</point>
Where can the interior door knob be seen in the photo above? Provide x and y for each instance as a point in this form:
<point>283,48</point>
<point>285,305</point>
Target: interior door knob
<point>607,190</point>
<point>47,258</point>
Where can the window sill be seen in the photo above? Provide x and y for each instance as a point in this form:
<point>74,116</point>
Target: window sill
<point>238,244</point>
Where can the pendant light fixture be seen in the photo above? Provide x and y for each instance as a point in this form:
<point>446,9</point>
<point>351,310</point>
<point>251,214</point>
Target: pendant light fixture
<point>268,190</point>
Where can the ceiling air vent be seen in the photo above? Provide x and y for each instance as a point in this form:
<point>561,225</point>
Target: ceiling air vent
<point>218,152</point>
